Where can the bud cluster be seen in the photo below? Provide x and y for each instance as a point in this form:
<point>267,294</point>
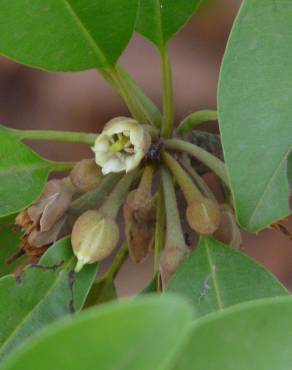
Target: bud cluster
<point>126,146</point>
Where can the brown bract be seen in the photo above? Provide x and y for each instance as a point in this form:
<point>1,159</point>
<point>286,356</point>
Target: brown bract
<point>43,221</point>
<point>139,218</point>
<point>228,231</point>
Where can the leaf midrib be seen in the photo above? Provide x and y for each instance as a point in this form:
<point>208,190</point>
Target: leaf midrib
<point>159,17</point>
<point>25,167</point>
<point>88,36</point>
<point>213,276</point>
<point>30,313</point>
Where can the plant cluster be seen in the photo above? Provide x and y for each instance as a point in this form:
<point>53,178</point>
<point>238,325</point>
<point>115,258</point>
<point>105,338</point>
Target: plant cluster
<point>142,191</point>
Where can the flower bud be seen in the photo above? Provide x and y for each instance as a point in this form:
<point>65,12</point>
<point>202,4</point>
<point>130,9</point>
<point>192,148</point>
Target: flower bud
<point>203,216</point>
<point>39,239</point>
<point>94,237</point>
<point>43,221</point>
<point>139,218</point>
<point>121,145</point>
<point>170,259</point>
<point>52,205</point>
<point>228,232</point>
<point>86,175</point>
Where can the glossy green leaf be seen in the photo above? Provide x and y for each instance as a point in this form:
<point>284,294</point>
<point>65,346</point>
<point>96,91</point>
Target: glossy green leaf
<point>102,291</point>
<point>115,336</point>
<point>159,20</point>
<point>8,220</point>
<point>23,175</point>
<point>9,241</point>
<point>289,170</point>
<point>251,336</point>
<point>4,128</point>
<point>255,111</point>
<point>41,295</point>
<point>66,35</point>
<point>151,287</point>
<point>216,276</point>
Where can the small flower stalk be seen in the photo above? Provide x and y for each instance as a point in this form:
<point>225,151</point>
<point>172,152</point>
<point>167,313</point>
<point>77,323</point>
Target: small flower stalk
<point>139,218</point>
<point>203,214</point>
<point>121,146</point>
<point>175,249</point>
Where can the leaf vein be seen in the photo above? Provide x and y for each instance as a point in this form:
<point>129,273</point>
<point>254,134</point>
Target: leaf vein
<point>213,276</point>
<point>28,316</point>
<point>98,51</point>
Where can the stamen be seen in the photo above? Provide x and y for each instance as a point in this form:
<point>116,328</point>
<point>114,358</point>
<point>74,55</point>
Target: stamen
<point>120,144</point>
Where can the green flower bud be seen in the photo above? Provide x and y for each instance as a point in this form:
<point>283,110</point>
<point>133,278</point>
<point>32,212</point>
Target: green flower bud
<point>203,216</point>
<point>86,175</point>
<point>94,237</point>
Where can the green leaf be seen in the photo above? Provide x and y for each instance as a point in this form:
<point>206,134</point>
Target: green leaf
<point>115,336</point>
<point>102,291</point>
<point>289,170</point>
<point>8,220</point>
<point>23,174</point>
<point>216,276</point>
<point>255,111</point>
<point>66,35</point>
<point>160,20</point>
<point>251,336</point>
<point>41,296</point>
<point>151,287</point>
<point>9,241</point>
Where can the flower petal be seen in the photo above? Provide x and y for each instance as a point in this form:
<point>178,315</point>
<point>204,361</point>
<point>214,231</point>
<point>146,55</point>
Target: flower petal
<point>101,143</point>
<point>113,165</point>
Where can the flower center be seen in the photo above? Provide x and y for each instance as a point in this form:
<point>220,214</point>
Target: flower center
<point>120,143</point>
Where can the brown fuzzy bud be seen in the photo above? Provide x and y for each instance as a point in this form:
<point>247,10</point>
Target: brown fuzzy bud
<point>203,216</point>
<point>43,221</point>
<point>86,175</point>
<point>38,238</point>
<point>170,259</point>
<point>94,237</point>
<point>52,205</point>
<point>228,231</point>
<point>139,217</point>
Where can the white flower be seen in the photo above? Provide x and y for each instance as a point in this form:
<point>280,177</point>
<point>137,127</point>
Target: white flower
<point>121,145</point>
